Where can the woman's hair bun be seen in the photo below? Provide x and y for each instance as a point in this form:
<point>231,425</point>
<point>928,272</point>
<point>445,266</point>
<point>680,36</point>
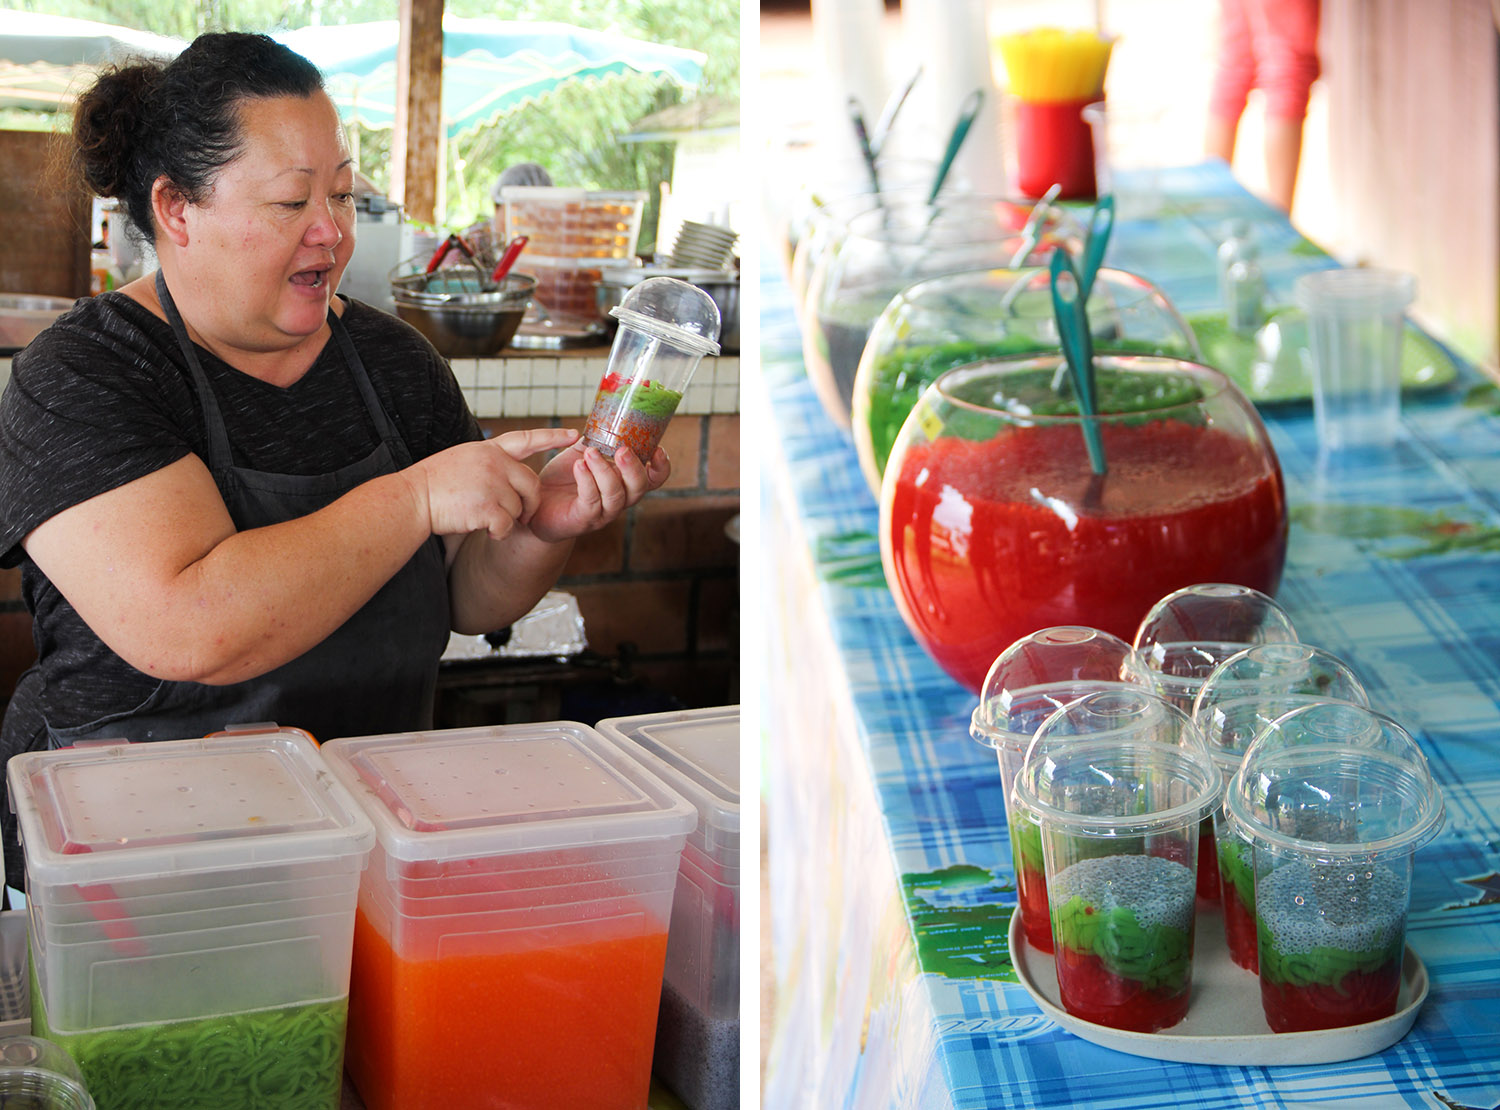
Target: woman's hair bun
<point>106,121</point>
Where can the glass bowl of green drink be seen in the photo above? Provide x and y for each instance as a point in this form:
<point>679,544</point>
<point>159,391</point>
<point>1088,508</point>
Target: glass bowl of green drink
<point>976,315</point>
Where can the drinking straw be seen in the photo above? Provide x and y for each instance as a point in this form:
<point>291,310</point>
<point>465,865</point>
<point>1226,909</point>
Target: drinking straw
<point>887,118</point>
<point>1032,231</point>
<point>1078,351</point>
<point>966,113</point>
<point>1101,223</point>
<point>857,117</point>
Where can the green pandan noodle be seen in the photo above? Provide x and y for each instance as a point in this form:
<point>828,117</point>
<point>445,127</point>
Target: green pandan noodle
<point>901,376</point>
<point>1158,957</point>
<point>1235,867</point>
<point>287,1059</point>
<point>654,399</point>
<point>1322,964</point>
<point>1026,845</point>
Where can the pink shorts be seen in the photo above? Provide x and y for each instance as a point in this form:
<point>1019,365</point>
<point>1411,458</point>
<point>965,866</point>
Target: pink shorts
<point>1271,45</point>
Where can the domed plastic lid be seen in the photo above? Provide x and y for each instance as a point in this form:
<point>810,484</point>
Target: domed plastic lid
<point>1040,673</point>
<point>674,311</point>
<point>1120,762</point>
<point>1247,692</point>
<point>1191,631</point>
<point>1335,781</point>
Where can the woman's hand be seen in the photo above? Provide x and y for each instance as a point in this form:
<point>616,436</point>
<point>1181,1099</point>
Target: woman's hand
<point>581,491</point>
<point>484,486</point>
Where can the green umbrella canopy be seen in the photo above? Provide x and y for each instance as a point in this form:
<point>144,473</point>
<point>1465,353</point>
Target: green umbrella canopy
<point>490,66</point>
<point>45,60</point>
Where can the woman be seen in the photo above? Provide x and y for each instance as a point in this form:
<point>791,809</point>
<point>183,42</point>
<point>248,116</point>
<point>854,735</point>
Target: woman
<point>1271,45</point>
<point>234,496</point>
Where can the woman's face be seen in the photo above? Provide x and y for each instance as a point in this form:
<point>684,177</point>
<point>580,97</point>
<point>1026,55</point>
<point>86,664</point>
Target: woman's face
<point>267,247</point>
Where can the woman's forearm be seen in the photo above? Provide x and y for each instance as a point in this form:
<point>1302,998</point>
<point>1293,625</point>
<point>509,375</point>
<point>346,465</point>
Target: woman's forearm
<point>493,583</point>
<point>181,595</point>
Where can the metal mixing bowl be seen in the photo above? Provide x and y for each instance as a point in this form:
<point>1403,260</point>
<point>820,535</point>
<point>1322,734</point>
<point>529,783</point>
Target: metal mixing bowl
<point>462,324</point>
<point>722,285</point>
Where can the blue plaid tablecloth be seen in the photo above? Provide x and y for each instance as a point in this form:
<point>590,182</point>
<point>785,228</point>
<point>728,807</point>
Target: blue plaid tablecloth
<point>890,870</point>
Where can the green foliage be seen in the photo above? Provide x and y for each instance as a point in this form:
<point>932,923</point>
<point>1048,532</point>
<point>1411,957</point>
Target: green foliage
<point>572,131</point>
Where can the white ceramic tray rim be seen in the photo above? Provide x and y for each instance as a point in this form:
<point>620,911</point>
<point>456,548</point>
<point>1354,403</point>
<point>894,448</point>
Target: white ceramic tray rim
<point>1225,1023</point>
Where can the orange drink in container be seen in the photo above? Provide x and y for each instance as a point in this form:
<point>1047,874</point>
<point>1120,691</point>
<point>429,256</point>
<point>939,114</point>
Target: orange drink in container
<point>512,926</point>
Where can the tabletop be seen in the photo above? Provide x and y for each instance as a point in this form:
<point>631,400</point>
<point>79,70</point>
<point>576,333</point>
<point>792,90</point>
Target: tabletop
<point>891,884</point>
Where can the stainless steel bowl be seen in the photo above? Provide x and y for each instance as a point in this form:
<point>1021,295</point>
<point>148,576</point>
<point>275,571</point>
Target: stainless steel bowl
<point>722,285</point>
<point>463,324</point>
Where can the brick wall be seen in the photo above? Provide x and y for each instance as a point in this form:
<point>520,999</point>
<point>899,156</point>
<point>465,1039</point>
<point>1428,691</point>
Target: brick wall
<point>663,579</point>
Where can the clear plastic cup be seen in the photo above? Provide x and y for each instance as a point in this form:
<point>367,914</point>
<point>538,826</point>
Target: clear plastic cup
<point>40,1075</point>
<point>666,327</point>
<point>1243,697</point>
<point>1335,799</point>
<point>1121,781</point>
<point>1355,325</point>
<point>1184,637</point>
<point>1027,683</point>
<point>1127,153</point>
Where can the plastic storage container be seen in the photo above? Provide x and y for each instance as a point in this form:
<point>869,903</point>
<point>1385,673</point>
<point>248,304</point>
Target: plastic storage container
<point>192,900</point>
<point>512,923</point>
<point>560,223</point>
<point>697,753</point>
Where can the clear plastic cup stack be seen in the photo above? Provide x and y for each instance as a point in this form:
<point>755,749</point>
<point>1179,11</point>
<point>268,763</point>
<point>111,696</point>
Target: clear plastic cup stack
<point>1335,800</point>
<point>1027,683</point>
<point>1242,698</point>
<point>1121,781</point>
<point>1185,636</point>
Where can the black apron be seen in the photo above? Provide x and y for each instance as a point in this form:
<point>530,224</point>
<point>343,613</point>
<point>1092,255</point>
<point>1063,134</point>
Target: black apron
<point>376,673</point>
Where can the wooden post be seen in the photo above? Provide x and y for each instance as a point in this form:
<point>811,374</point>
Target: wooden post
<point>417,145</point>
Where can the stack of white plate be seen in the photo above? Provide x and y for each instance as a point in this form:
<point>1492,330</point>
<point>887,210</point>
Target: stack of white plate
<point>705,245</point>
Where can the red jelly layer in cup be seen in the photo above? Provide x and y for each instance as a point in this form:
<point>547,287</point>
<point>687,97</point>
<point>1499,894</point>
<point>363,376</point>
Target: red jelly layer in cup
<point>1356,998</point>
<point>1031,883</point>
<point>1094,993</point>
<point>989,541</point>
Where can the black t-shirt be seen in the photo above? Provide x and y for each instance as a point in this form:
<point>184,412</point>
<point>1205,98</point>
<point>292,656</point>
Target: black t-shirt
<point>104,397</point>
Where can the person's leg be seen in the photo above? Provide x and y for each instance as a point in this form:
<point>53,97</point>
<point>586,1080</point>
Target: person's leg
<point>1286,35</point>
<point>1234,76</point>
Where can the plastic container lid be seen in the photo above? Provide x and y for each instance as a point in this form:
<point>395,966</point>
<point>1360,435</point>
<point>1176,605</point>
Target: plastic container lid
<point>1191,631</point>
<point>1247,692</point>
<point>697,753</point>
<point>673,311</point>
<point>1088,767</point>
<point>124,811</point>
<point>470,793</point>
<point>1335,782</point>
<point>1040,673</point>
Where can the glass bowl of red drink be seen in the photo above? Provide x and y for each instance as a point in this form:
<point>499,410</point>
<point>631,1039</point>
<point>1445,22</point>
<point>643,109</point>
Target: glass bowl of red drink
<point>1120,781</point>
<point>1241,699</point>
<point>949,321</point>
<point>1335,799</point>
<point>1027,683</point>
<point>993,523</point>
<point>880,251</point>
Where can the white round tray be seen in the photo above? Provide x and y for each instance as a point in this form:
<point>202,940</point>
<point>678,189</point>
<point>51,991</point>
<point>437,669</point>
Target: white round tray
<point>1225,1023</point>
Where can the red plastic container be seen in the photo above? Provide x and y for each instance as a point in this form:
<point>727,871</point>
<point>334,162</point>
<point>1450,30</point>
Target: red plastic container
<point>1055,144</point>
